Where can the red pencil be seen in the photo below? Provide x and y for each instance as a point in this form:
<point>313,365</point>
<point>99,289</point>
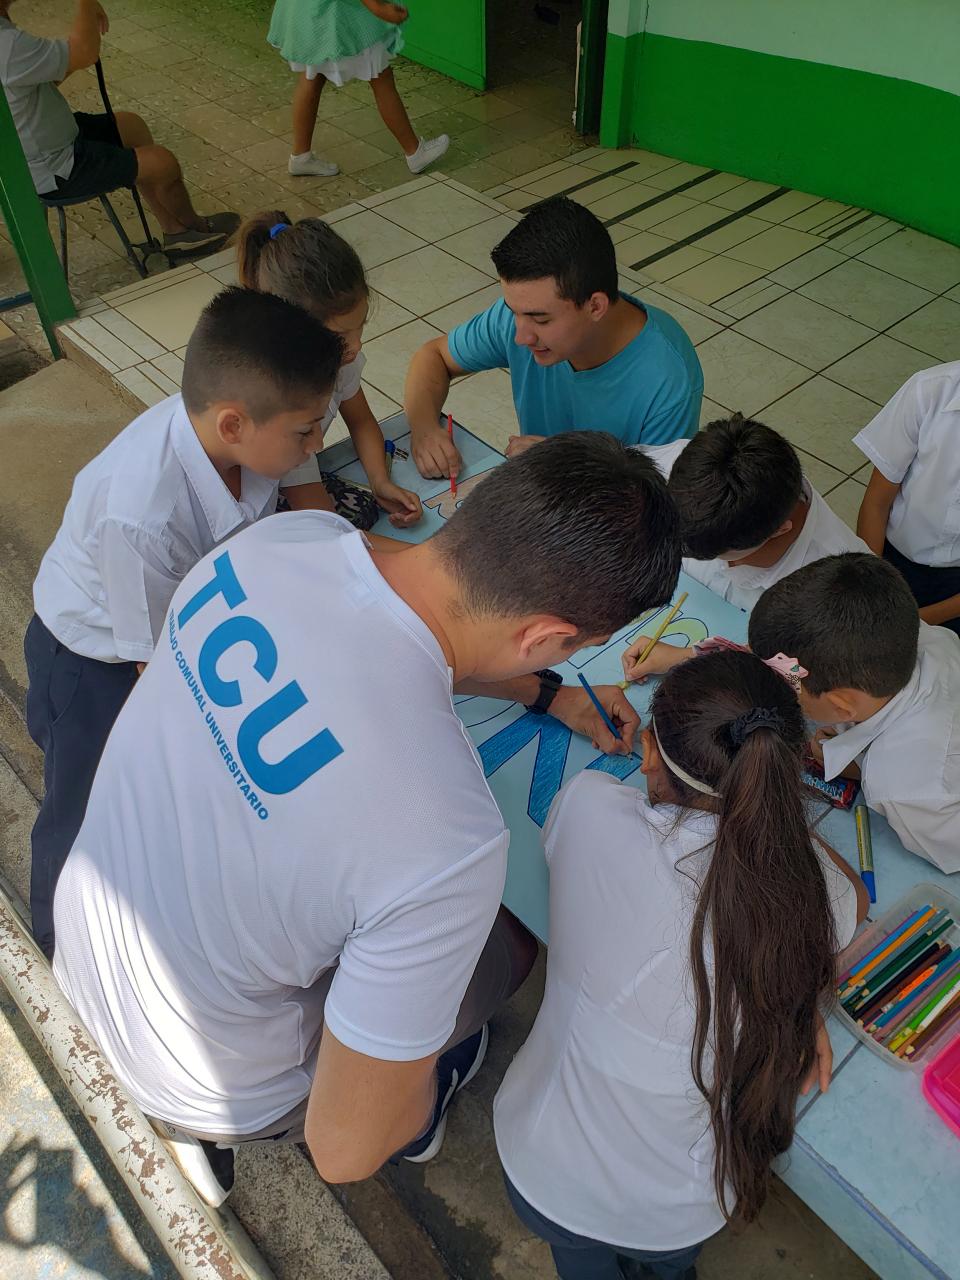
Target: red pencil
<point>453,478</point>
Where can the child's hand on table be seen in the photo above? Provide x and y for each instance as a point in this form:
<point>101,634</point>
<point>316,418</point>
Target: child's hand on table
<point>573,708</point>
<point>519,444</point>
<point>822,1066</point>
<point>403,507</point>
<point>662,658</point>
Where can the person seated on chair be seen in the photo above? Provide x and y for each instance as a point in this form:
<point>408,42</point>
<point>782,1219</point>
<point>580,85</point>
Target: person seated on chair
<point>75,154</point>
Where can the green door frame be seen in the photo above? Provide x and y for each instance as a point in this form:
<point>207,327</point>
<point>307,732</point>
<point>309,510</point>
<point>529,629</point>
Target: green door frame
<point>27,225</point>
<point>593,48</point>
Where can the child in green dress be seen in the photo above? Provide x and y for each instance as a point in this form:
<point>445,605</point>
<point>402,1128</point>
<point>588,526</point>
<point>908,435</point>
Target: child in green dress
<point>339,41</point>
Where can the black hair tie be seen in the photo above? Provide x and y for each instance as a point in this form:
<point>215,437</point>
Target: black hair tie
<point>750,721</point>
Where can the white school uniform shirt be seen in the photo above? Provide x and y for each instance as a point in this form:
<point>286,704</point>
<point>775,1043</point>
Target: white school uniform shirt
<point>139,517</point>
<point>276,796</point>
<point>914,441</point>
<point>823,534</point>
<point>598,1121</point>
<point>909,753</point>
<point>345,387</point>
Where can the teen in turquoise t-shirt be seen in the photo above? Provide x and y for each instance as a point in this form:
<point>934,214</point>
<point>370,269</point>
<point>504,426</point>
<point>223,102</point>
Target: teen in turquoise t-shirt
<point>581,354</point>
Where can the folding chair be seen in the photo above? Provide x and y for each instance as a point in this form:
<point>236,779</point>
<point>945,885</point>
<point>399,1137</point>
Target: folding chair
<point>137,253</point>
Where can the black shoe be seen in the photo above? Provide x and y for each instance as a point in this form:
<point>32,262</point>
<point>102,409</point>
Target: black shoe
<point>206,1166</point>
<point>206,239</point>
<point>455,1068</point>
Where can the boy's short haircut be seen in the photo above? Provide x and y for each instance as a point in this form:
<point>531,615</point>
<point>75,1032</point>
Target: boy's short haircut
<point>577,526</point>
<point>734,485</point>
<point>850,619</point>
<point>260,351</point>
<point>563,240</point>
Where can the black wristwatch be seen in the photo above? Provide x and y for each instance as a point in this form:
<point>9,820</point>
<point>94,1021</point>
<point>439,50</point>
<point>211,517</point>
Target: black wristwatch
<point>550,682</point>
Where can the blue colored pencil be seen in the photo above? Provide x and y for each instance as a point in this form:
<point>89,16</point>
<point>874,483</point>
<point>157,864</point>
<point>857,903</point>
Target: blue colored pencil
<point>600,711</point>
<point>895,1010</point>
<point>881,946</point>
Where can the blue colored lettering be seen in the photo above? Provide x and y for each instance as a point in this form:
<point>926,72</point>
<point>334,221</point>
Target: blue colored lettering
<point>301,763</point>
<point>237,630</point>
<point>223,583</point>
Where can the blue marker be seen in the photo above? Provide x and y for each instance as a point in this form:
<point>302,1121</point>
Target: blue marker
<point>603,715</point>
<point>865,846</point>
<point>390,449</point>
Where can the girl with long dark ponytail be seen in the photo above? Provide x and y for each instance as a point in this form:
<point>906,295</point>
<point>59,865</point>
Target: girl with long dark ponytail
<point>692,936</point>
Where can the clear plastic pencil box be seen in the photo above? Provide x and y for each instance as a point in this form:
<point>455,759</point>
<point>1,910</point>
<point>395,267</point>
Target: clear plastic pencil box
<point>920,895</point>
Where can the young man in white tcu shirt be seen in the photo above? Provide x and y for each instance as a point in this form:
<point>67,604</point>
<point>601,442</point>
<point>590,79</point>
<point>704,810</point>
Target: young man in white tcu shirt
<point>291,862</point>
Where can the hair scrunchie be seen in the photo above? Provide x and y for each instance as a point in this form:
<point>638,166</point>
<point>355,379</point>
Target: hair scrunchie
<point>750,721</point>
<point>277,228</point>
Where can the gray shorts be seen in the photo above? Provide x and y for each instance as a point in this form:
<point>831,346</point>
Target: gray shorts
<point>505,961</point>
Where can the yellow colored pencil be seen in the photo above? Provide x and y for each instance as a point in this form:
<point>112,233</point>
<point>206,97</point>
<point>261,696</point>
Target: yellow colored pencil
<point>624,684</point>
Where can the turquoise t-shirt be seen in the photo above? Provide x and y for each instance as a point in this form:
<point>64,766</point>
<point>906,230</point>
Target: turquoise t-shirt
<point>649,393</point>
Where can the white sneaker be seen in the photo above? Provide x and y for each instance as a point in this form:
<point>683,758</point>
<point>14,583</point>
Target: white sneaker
<point>308,165</point>
<point>206,1165</point>
<point>430,149</point>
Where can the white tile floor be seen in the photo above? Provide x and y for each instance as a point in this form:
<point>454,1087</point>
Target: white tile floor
<point>805,313</point>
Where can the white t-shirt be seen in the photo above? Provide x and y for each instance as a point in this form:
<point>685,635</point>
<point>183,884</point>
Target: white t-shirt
<point>139,517</point>
<point>910,753</point>
<point>345,388</point>
<point>598,1121</point>
<point>823,534</point>
<point>287,786</point>
<point>914,441</point>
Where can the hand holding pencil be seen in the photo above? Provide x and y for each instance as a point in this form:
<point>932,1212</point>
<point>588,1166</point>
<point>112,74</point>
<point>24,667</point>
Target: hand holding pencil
<point>658,661</point>
<point>641,650</point>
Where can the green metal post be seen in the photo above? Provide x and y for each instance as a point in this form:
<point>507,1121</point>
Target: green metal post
<point>27,225</point>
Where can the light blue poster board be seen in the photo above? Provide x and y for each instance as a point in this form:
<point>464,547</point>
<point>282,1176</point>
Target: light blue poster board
<point>870,1157</point>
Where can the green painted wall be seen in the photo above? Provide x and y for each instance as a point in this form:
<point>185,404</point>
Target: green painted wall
<point>886,144</point>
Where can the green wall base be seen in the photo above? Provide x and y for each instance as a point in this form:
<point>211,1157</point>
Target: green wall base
<point>867,140</point>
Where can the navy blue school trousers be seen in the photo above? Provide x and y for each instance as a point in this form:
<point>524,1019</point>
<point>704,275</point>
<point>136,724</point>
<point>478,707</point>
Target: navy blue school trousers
<point>72,703</point>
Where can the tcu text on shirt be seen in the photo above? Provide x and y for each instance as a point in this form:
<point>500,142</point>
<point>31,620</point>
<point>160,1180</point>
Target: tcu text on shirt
<point>229,659</point>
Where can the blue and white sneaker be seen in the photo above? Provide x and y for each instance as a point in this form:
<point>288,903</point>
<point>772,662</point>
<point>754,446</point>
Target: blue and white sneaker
<point>456,1068</point>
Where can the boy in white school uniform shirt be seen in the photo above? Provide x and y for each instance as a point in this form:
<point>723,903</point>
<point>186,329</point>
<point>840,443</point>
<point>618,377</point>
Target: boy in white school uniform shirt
<point>748,517</point>
<point>889,683</point>
<point>910,513</point>
<point>345,835</point>
<point>181,478</point>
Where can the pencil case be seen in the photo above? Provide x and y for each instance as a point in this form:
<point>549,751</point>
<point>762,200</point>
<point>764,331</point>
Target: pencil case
<point>869,940</point>
<point>941,1085</point>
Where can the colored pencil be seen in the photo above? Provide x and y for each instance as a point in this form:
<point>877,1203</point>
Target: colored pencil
<point>893,944</point>
<point>876,982</point>
<point>865,846</point>
<point>855,969</point>
<point>877,999</point>
<point>906,983</point>
<point>919,1022</point>
<point>888,1021</point>
<point>657,634</point>
<point>902,986</point>
<point>600,711</point>
<point>951,1019</point>
<point>453,474</point>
